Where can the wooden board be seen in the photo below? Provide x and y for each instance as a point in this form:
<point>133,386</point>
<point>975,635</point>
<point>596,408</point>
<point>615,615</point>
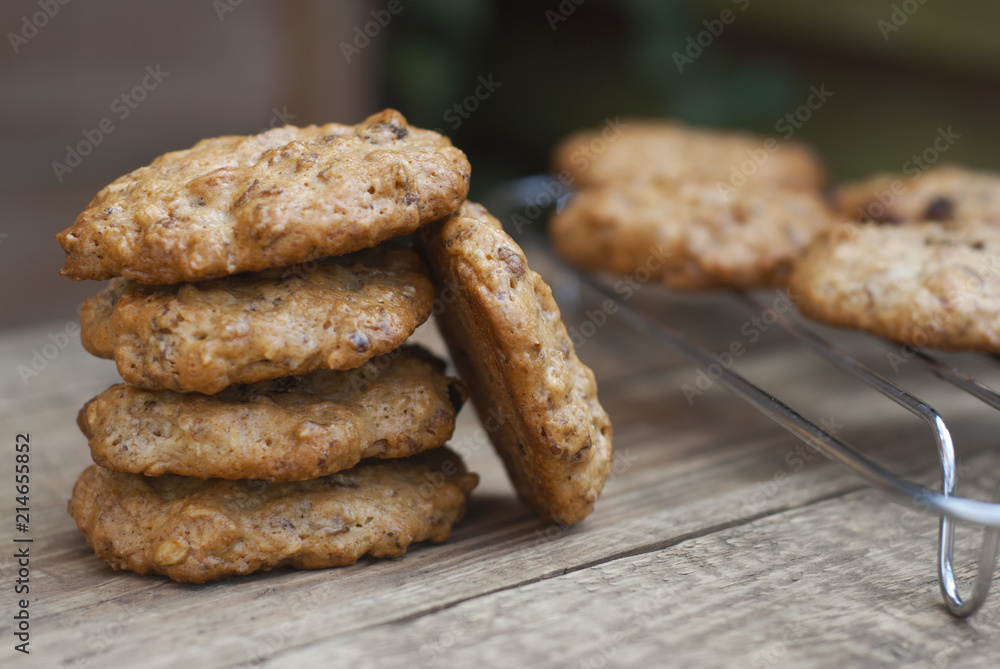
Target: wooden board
<point>720,539</point>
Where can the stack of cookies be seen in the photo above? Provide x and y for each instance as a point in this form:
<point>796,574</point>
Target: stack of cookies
<point>692,208</point>
<point>919,264</point>
<point>271,414</point>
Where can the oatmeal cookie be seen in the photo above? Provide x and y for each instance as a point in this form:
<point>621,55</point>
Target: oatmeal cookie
<point>334,313</point>
<point>197,530</point>
<point>235,204</point>
<point>922,284</point>
<point>690,235</point>
<point>945,193</point>
<point>671,151</point>
<point>534,396</point>
<point>287,429</point>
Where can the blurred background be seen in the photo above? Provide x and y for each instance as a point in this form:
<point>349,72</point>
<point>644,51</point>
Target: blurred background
<point>126,81</point>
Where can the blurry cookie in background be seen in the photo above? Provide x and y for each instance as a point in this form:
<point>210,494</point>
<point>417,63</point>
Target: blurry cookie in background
<point>921,284</point>
<point>626,151</point>
<point>689,235</point>
<point>945,193</point>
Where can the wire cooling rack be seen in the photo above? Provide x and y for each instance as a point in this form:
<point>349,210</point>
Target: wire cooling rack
<point>542,190</point>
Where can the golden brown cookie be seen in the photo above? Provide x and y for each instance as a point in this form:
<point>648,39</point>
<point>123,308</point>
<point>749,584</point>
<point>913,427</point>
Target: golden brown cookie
<point>944,193</point>
<point>690,235</point>
<point>334,313</point>
<point>923,284</point>
<point>504,331</point>
<point>236,204</point>
<point>288,429</point>
<point>624,152</point>
<point>198,530</point>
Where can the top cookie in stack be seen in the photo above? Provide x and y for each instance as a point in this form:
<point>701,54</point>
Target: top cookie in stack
<point>258,316</point>
<point>693,208</point>
<point>243,204</point>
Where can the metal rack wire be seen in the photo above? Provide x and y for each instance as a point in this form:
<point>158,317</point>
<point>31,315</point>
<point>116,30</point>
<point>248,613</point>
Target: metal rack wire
<point>945,504</point>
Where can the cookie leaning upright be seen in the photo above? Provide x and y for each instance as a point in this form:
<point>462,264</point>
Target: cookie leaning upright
<point>236,204</point>
<point>506,336</point>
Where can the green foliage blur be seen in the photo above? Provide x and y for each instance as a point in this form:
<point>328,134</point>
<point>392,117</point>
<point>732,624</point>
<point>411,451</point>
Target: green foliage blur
<point>560,66</point>
<point>601,61</point>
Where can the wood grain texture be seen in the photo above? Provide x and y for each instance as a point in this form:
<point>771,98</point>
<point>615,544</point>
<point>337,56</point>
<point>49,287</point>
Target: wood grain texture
<point>720,539</point>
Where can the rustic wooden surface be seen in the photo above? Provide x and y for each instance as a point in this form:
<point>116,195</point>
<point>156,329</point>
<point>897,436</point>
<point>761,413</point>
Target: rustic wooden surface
<point>720,539</point>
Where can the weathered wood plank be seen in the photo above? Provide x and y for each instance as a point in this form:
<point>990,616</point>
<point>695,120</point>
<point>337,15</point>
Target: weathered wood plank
<point>38,373</point>
<point>686,471</point>
<point>847,581</point>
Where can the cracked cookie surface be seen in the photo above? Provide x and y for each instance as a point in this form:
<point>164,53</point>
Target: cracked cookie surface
<point>661,150</point>
<point>921,284</point>
<point>287,429</point>
<point>246,203</point>
<point>690,235</point>
<point>535,398</point>
<point>198,530</point>
<point>335,313</point>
